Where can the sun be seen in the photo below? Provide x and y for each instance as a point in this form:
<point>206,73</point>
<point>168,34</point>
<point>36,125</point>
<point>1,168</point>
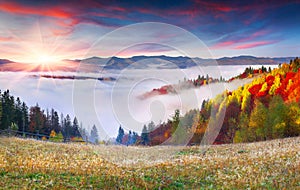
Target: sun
<point>40,57</point>
<point>45,59</point>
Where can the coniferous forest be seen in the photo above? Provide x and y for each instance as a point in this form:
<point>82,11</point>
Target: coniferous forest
<point>42,124</point>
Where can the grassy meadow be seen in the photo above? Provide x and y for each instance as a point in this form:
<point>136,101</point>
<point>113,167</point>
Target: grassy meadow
<point>31,164</point>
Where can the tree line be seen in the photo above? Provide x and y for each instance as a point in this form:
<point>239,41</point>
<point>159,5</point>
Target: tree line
<point>16,115</point>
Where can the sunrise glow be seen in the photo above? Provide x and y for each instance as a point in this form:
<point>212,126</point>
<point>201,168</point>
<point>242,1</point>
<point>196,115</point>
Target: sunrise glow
<point>44,59</point>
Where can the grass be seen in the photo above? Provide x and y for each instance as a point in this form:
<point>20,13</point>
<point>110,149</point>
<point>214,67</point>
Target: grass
<point>31,164</point>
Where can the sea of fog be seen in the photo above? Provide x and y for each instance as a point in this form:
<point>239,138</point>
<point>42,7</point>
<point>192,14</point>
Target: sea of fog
<point>109,104</point>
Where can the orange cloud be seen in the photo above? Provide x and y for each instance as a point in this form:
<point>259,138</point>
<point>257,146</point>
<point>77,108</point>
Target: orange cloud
<point>45,11</point>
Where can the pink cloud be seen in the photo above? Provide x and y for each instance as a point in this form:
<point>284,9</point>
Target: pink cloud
<point>253,36</point>
<point>254,44</point>
<point>218,7</point>
<point>223,44</point>
<point>5,39</point>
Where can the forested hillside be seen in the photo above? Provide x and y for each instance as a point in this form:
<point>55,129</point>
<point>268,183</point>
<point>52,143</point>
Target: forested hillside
<point>267,108</point>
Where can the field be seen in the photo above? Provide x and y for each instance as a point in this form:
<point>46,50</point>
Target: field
<point>31,164</point>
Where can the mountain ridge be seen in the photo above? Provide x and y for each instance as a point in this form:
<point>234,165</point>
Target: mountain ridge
<point>145,62</point>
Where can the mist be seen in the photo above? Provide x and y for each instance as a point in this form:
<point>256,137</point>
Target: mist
<point>109,104</point>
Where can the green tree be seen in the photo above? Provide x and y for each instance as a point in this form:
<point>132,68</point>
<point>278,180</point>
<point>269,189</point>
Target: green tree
<point>8,110</point>
<point>293,120</point>
<point>242,134</point>
<point>275,122</point>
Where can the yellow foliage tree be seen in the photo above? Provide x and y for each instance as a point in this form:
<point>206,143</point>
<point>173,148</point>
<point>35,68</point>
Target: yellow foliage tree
<point>257,120</point>
<point>53,133</point>
<point>264,87</point>
<point>275,85</point>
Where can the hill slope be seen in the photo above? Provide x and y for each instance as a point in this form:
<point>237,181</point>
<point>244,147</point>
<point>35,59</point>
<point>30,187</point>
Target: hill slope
<point>267,108</point>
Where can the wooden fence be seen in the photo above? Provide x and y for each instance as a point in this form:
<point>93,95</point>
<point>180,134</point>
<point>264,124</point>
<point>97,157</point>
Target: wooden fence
<point>38,136</point>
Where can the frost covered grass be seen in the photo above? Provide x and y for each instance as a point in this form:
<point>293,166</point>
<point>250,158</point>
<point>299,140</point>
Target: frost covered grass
<point>28,164</point>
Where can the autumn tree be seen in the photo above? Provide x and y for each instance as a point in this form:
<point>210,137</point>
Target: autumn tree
<point>37,119</point>
<point>230,122</point>
<point>242,134</point>
<point>275,122</point>
<point>256,122</point>
<point>293,120</point>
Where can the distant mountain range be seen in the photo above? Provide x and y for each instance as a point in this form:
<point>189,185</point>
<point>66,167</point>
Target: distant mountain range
<point>163,62</point>
<point>143,62</point>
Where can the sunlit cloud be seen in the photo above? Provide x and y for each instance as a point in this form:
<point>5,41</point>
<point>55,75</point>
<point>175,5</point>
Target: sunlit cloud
<point>254,44</point>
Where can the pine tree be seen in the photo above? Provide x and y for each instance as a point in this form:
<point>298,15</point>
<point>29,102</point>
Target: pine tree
<point>25,117</point>
<point>67,129</point>
<point>8,109</point>
<point>151,126</point>
<point>75,128</point>
<point>83,133</point>
<point>94,137</point>
<point>129,140</point>
<point>18,114</point>
<point>120,135</point>
<point>176,120</point>
<point>47,123</point>
<point>145,136</point>
<point>134,137</point>
<point>55,121</point>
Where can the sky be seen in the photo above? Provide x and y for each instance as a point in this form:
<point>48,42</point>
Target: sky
<point>48,31</point>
